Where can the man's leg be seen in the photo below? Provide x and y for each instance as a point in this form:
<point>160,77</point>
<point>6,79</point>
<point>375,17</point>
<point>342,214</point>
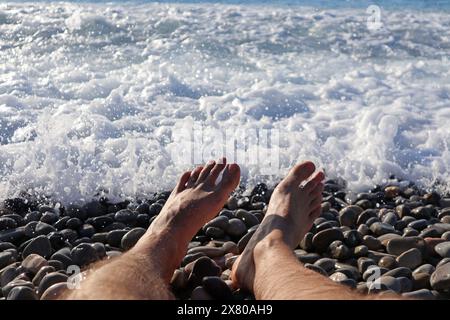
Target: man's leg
<point>144,272</point>
<point>268,267</point>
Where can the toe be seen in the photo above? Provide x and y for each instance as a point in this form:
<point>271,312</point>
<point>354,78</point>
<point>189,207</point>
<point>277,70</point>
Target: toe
<point>230,178</point>
<point>214,174</point>
<point>194,176</point>
<point>317,191</point>
<point>299,173</point>
<point>182,182</point>
<point>205,172</point>
<point>316,179</point>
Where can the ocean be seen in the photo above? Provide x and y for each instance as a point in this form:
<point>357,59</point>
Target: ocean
<point>113,96</point>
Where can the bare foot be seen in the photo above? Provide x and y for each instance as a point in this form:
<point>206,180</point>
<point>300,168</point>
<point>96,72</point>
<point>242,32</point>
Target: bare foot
<point>291,212</point>
<point>194,201</point>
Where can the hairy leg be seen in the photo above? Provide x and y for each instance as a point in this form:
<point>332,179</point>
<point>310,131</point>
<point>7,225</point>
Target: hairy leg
<point>144,271</point>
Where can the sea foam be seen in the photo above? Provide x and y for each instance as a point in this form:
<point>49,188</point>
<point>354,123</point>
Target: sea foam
<point>92,96</point>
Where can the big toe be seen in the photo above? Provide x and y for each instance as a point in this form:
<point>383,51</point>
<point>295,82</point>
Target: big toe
<point>299,173</point>
<point>230,178</point>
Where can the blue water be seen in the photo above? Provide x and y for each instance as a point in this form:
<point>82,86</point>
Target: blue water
<point>335,4</point>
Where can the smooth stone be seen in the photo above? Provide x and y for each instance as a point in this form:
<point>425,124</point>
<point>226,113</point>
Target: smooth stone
<point>352,238</point>
<point>40,245</point>
<point>131,238</point>
<point>410,232</point>
<point>49,217</point>
<point>338,277</point>
<point>360,251</point>
<point>125,216</point>
<point>422,212</point>
<point>6,245</point>
<point>199,293</point>
<point>236,228</point>
<point>86,230</point>
<point>242,243</point>
<point>41,274</point>
<point>380,228</point>
<point>101,222</point>
<point>419,225</point>
<point>326,225</point>
<point>388,236</point>
<point>446,236</point>
<point>215,233</point>
<point>443,249</point>
<point>309,258</point>
<point>403,210</point>
<point>203,267</point>
<point>306,243</point>
<point>372,243</point>
<point>405,284</point>
<point>84,254</point>
<point>349,270</point>
<point>43,228</point>
<point>366,215</point>
<point>211,252</point>
<point>338,250</point>
<point>69,234</point>
<point>324,238</point>
<point>422,294</point>
<point>114,237</point>
<point>390,218</point>
<point>326,264</point>
<point>7,223</point>
<point>15,283</point>
<point>230,247</point>
<point>34,262</point>
<point>400,272</point>
<point>249,219</point>
<point>100,248</point>
<point>410,259</point>
<point>421,280</point>
<point>7,258</point>
<point>397,246</point>
<point>179,280</point>
<point>385,283</point>
<point>220,222</point>
<point>217,288</point>
<point>363,230</point>
<point>22,293</point>
<point>58,265</point>
<point>388,262</point>
<point>232,203</point>
<point>8,274</point>
<point>94,209</point>
<point>349,215</point>
<point>32,216</point>
<point>100,237</point>
<point>440,279</point>
<point>425,268</point>
<point>143,208</point>
<point>316,268</point>
<point>50,279</point>
<point>63,256</point>
<point>54,291</point>
<point>364,263</point>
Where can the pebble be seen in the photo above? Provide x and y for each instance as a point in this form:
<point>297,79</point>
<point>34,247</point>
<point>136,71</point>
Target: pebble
<point>399,272</point>
<point>443,249</point>
<point>397,246</point>
<point>421,280</point>
<point>86,230</point>
<point>132,237</point>
<point>372,243</point>
<point>84,254</point>
<point>410,259</point>
<point>211,252</point>
<point>22,293</point>
<point>422,294</point>
<point>33,263</point>
<point>316,268</point>
<point>380,228</point>
<point>326,264</point>
<point>114,237</point>
<point>50,279</point>
<point>217,288</point>
<point>440,279</point>
<point>324,238</point>
<point>236,228</point>
<point>15,283</point>
<point>220,222</point>
<point>125,216</point>
<point>199,293</point>
<point>54,291</point>
<point>40,245</point>
<point>385,283</point>
<point>348,215</point>
<point>388,262</point>
<point>46,269</point>
<point>215,233</point>
<point>6,258</point>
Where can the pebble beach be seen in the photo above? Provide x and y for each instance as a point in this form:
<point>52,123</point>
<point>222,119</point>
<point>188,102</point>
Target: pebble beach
<point>395,239</point>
